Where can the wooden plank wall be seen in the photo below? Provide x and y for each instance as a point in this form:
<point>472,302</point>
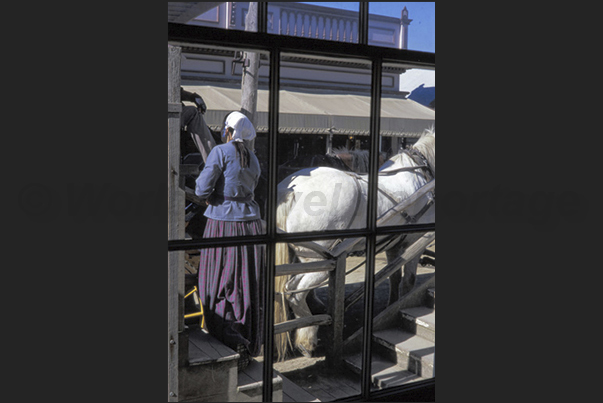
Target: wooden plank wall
<point>176,345</point>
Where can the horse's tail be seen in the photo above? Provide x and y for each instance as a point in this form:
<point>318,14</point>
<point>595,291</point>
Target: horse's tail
<point>281,307</point>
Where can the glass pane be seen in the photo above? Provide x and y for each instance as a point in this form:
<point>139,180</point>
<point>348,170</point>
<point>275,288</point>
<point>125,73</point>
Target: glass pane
<point>227,15</point>
<point>216,76</point>
<point>323,142</point>
<point>323,360</point>
<point>334,21</point>
<point>402,25</point>
<point>407,146</point>
<point>403,345</point>
<point>404,305</point>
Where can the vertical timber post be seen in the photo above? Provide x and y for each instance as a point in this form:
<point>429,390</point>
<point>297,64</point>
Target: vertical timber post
<point>336,311</point>
<point>249,74</point>
<point>177,349</point>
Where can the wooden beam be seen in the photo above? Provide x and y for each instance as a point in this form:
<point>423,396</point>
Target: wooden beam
<point>410,253</point>
<point>406,203</point>
<point>345,246</point>
<point>192,197</point>
<point>336,311</point>
<point>315,320</point>
<point>321,250</point>
<point>176,343</point>
<point>299,268</point>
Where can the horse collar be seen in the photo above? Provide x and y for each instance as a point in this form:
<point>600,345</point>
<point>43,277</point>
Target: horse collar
<point>420,160</point>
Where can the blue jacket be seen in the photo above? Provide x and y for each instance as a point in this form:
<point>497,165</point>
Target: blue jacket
<point>228,187</point>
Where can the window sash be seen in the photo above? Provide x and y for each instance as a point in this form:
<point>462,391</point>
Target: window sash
<point>180,34</point>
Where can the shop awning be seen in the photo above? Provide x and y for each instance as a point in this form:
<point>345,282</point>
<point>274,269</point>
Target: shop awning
<point>321,113</point>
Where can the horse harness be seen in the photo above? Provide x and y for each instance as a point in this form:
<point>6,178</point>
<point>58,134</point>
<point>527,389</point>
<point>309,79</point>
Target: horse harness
<point>424,169</point>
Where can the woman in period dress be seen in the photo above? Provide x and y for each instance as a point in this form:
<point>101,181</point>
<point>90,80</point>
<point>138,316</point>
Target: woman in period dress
<point>230,277</point>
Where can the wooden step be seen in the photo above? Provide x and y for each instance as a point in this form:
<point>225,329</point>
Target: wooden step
<point>384,373</point>
<point>250,384</point>
<point>211,373</point>
<point>407,350</point>
<point>420,321</point>
<point>295,393</point>
<point>205,349</point>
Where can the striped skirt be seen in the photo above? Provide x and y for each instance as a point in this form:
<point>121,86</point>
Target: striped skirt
<point>230,281</point>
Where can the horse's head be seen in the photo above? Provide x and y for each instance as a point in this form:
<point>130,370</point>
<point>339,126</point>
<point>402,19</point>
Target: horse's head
<point>426,146</point>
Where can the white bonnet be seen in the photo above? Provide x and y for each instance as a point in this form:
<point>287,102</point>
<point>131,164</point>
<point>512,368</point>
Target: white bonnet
<point>243,128</point>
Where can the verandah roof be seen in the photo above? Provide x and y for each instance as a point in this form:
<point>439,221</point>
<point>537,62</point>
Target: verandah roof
<point>320,113</point>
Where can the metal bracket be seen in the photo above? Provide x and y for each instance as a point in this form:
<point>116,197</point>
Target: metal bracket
<point>239,58</point>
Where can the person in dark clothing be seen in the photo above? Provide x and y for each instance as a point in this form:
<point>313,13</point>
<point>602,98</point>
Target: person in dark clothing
<point>195,135</point>
<point>193,97</point>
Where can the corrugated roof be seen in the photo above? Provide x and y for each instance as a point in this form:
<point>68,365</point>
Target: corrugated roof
<point>320,113</point>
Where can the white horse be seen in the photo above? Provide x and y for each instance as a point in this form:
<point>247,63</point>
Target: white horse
<point>319,199</point>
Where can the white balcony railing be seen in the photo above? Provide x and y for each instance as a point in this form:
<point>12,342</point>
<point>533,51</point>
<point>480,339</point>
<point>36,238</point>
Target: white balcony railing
<point>319,26</point>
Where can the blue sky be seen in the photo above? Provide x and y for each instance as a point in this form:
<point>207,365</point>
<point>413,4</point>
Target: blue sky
<point>421,32</point>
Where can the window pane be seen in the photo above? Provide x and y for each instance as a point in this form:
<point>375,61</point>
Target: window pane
<point>403,345</point>
<point>322,361</point>
<point>402,25</point>
<point>216,331</point>
<point>216,75</point>
<point>227,15</point>
<point>323,142</point>
<point>404,306</point>
<point>409,159</point>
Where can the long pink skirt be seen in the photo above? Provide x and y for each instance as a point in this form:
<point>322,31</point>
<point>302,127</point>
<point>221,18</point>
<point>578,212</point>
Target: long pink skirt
<point>230,282</point>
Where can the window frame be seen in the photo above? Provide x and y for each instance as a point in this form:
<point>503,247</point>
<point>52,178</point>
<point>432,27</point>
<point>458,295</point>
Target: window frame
<point>275,45</point>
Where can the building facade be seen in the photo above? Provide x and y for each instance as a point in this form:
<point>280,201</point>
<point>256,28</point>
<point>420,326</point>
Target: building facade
<point>324,102</point>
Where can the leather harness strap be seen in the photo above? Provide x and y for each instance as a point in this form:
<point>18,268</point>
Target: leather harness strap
<point>427,172</point>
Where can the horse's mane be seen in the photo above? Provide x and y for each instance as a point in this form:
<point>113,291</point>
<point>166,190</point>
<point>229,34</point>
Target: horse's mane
<point>425,145</point>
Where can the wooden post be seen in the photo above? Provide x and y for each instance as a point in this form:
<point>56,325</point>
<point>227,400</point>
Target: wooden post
<point>249,76</point>
<point>336,312</point>
<point>177,344</point>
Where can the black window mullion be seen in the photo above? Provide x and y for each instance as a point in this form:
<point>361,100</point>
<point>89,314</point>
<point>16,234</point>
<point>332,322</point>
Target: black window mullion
<point>369,282</point>
<point>268,288</point>
<point>363,20</point>
<point>262,17</point>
